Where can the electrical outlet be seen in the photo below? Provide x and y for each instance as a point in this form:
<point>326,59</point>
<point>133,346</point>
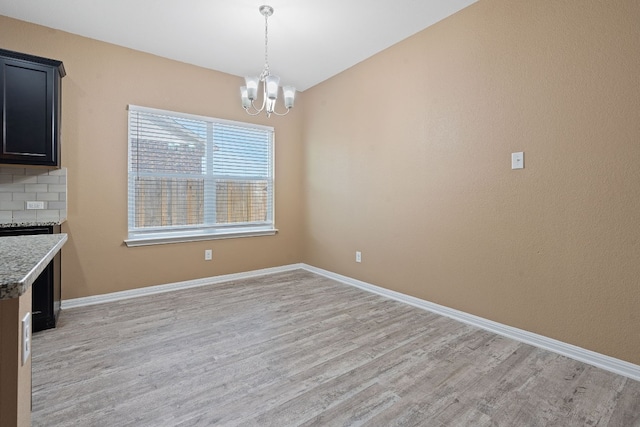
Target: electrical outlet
<point>517,160</point>
<point>358,256</point>
<point>35,205</point>
<point>208,255</point>
<point>26,337</point>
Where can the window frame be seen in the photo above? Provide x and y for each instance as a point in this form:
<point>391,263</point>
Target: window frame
<point>189,233</point>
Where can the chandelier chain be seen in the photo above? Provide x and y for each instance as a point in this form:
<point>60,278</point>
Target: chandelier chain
<point>265,72</point>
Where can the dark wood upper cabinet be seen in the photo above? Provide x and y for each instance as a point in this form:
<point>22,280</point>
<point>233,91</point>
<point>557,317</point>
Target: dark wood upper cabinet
<point>30,101</point>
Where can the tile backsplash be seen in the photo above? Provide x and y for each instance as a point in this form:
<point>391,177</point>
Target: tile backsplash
<point>19,185</point>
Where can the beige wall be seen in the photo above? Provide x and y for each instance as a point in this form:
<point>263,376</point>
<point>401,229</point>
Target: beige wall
<point>408,159</point>
<point>102,79</point>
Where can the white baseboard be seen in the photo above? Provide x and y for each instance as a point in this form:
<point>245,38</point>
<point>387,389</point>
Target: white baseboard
<point>151,290</point>
<point>608,363</point>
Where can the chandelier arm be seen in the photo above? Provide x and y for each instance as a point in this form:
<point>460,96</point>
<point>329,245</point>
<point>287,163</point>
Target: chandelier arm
<point>252,114</point>
<point>281,114</point>
<point>264,96</point>
<point>264,103</point>
<point>253,108</point>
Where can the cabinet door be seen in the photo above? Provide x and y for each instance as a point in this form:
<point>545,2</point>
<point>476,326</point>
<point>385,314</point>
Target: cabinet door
<point>28,121</point>
<point>42,300</point>
<point>45,301</point>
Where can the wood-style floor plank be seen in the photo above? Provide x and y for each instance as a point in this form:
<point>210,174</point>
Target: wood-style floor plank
<point>298,349</point>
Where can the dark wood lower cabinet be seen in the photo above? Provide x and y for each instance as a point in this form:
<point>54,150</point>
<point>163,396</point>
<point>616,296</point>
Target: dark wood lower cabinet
<point>47,287</point>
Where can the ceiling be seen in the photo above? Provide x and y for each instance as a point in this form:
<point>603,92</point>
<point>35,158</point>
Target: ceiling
<point>309,41</point>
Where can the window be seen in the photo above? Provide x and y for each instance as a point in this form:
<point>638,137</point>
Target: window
<point>195,178</point>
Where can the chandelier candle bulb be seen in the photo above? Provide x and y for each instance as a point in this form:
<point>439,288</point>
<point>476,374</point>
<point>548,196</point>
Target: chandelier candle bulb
<point>272,86</point>
<point>246,102</point>
<point>252,87</point>
<point>289,96</point>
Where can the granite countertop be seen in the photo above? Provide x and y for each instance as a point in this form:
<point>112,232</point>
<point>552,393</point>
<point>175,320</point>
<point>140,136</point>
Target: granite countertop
<point>23,258</point>
<point>32,224</point>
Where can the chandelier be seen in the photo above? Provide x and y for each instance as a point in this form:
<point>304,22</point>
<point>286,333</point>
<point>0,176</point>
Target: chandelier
<point>270,84</point>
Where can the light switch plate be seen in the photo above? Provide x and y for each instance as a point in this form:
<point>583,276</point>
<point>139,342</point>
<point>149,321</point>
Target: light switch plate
<point>26,337</point>
<point>517,160</point>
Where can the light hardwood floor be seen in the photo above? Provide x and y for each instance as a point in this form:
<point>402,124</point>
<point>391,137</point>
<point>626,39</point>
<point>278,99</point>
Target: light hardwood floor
<point>299,349</point>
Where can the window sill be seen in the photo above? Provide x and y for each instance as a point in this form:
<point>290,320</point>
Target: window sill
<point>166,238</point>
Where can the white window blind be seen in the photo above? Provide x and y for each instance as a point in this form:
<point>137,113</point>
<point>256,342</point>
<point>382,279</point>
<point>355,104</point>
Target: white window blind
<point>194,177</point>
